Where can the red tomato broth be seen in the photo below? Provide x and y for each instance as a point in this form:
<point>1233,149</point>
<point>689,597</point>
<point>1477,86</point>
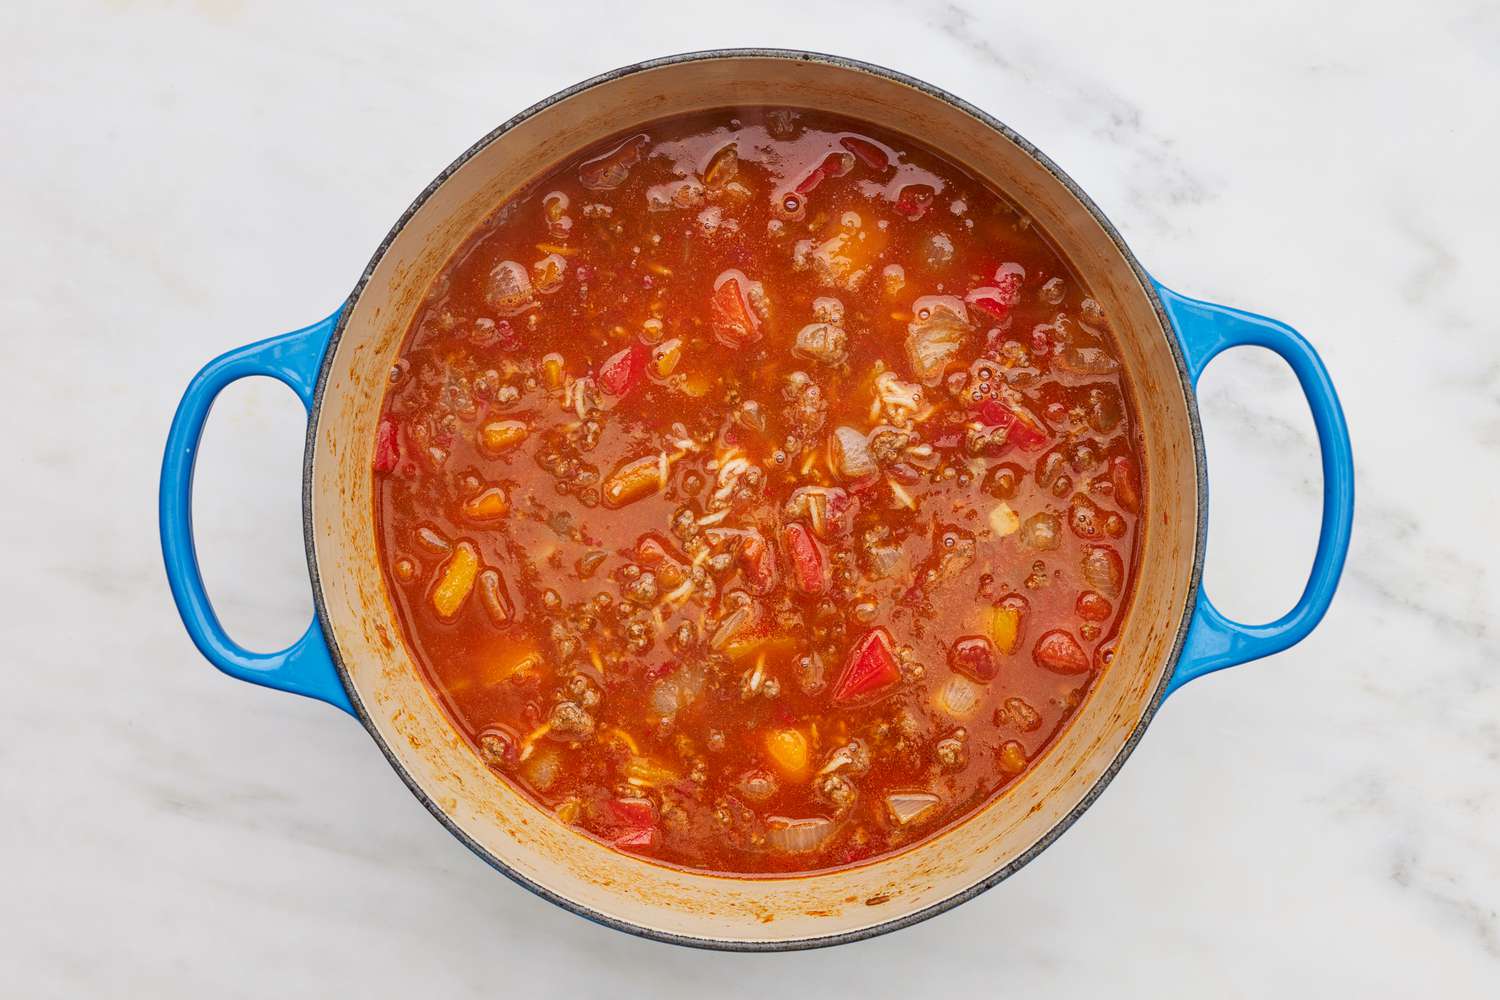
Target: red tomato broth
<point>798,680</point>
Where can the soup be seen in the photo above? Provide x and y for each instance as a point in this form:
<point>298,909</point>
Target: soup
<point>758,492</point>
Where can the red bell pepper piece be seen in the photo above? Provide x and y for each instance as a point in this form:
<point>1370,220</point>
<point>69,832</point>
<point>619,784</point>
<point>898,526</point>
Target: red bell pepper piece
<point>1019,429</point>
<point>387,445</point>
<point>833,165</point>
<point>805,185</point>
<point>869,154</point>
<point>990,302</point>
<point>994,414</point>
<point>734,324</point>
<point>806,559</point>
<point>632,822</point>
<point>622,371</point>
<point>871,667</point>
<point>997,300</point>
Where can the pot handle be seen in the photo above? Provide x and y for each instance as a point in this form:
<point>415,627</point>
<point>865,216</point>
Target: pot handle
<point>1213,641</point>
<point>305,667</point>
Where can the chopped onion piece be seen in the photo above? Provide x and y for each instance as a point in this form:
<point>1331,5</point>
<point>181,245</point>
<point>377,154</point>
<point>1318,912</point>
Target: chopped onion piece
<point>1003,520</point>
<point>850,456</point>
<point>733,624</point>
<point>853,757</point>
<point>797,836</point>
<point>899,494</point>
<point>543,770</point>
<point>823,342</point>
<point>959,697</point>
<point>900,400</point>
<point>646,772</point>
<point>935,336</point>
<point>676,691</point>
<point>908,807</point>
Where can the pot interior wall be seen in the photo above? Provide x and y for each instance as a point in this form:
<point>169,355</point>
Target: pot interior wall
<point>508,827</point>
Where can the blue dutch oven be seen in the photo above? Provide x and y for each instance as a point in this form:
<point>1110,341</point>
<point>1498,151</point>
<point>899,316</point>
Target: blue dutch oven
<point>352,655</point>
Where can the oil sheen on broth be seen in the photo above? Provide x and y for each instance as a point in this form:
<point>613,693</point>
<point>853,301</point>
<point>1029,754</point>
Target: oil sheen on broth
<point>758,491</point>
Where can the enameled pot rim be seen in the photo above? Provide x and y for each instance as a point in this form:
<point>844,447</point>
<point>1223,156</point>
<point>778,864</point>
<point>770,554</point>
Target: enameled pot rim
<point>1148,287</point>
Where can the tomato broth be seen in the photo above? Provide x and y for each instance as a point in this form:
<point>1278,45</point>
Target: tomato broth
<point>759,491</point>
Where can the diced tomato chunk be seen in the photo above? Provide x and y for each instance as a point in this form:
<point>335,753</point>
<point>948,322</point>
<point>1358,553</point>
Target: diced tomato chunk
<point>387,445</point>
<point>1008,280</point>
<point>989,302</point>
<point>622,371</point>
<point>996,301</point>
<point>974,657</point>
<point>869,154</point>
<point>734,324</point>
<point>632,822</point>
<point>1027,433</point>
<point>871,667</point>
<point>806,559</point>
<point>1126,482</point>
<point>913,201</point>
<point>1059,652</point>
<point>993,413</point>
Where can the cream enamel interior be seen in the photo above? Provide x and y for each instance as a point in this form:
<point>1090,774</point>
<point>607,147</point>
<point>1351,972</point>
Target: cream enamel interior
<point>510,828</point>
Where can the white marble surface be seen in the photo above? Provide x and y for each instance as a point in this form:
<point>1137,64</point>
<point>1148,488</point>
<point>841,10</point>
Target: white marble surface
<point>179,178</point>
